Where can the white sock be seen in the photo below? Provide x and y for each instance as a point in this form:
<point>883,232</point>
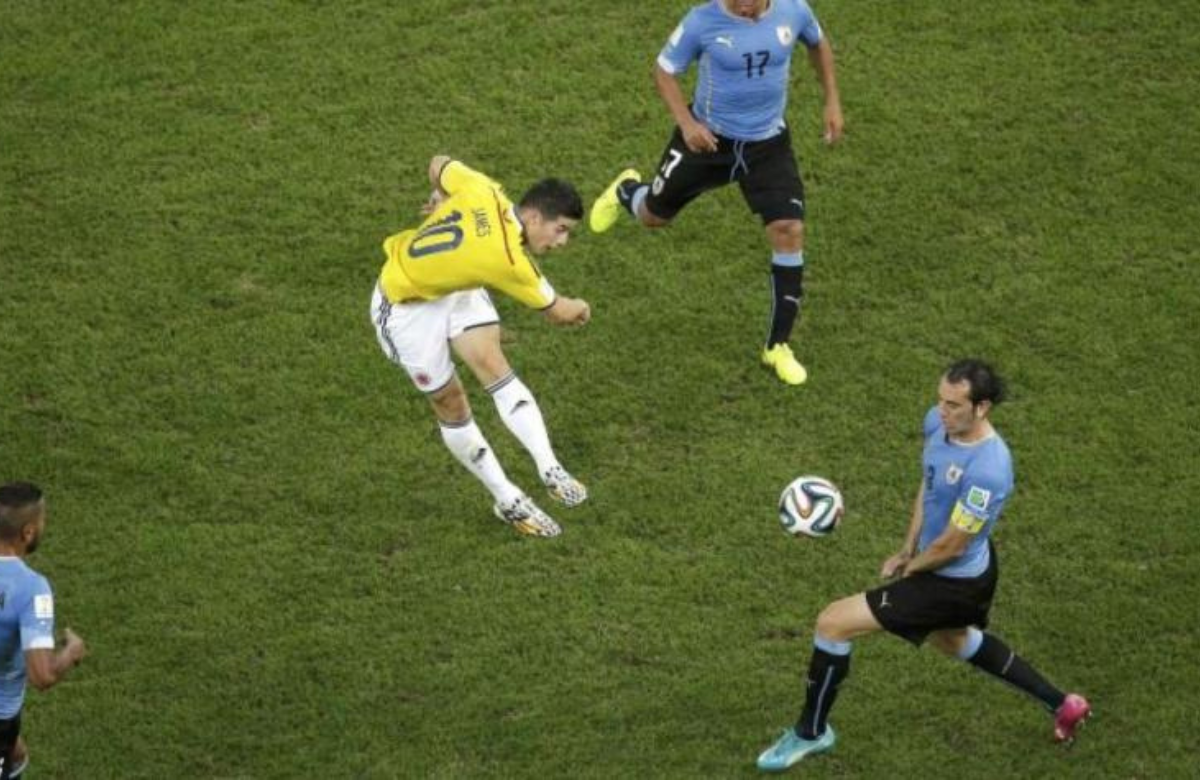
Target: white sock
<point>466,442</point>
<point>521,414</point>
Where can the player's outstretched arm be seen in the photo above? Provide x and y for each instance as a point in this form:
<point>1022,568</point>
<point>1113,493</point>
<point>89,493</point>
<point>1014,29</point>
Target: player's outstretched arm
<point>949,545</point>
<point>568,311</point>
<point>47,668</point>
<point>821,58</point>
<point>436,163</point>
<point>697,137</point>
<point>895,565</point>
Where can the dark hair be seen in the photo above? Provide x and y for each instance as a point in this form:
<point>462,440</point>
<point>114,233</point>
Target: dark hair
<point>985,384</point>
<point>554,198</point>
<point>15,497</point>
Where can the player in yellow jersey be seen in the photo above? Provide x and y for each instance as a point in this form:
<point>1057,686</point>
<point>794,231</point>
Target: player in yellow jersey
<point>431,298</point>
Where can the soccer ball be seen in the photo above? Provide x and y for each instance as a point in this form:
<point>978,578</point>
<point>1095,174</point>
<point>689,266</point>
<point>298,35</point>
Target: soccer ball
<point>811,506</point>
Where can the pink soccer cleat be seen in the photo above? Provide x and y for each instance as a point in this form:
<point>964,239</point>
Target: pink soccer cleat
<point>1070,716</point>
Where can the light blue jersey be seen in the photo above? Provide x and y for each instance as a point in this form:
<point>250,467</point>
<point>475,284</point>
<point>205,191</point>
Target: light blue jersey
<point>965,484</point>
<point>742,88</point>
<point>26,623</point>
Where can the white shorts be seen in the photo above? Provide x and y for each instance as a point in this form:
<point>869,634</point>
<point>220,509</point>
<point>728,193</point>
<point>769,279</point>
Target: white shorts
<point>416,336</point>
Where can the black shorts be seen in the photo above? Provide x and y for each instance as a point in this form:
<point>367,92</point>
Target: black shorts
<point>10,729</point>
<point>914,606</point>
<point>765,170</point>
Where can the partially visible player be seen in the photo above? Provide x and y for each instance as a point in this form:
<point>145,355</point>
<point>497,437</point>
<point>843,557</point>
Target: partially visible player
<point>735,131</point>
<point>947,569</point>
<point>430,299</point>
<point>27,646</point>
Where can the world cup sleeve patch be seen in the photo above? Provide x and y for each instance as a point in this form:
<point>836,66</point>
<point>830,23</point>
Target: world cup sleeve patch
<point>676,35</point>
<point>963,519</point>
<point>43,606</point>
<point>978,498</point>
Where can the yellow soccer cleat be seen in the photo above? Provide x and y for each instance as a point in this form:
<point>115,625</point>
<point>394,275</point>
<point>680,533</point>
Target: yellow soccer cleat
<point>564,488</point>
<point>607,208</point>
<point>525,518</point>
<point>787,368</point>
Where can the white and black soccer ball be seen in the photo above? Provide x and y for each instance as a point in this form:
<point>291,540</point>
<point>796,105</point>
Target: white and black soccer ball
<point>811,506</point>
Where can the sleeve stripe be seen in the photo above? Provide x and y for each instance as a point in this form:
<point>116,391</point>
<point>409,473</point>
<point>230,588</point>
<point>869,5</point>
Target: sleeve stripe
<point>442,170</point>
<point>40,643</point>
<point>666,65</point>
<point>503,229</point>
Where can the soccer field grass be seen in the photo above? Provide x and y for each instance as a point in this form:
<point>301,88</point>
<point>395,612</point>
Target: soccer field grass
<point>281,572</point>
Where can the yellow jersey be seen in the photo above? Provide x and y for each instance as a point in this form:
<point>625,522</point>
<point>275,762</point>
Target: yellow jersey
<point>473,239</point>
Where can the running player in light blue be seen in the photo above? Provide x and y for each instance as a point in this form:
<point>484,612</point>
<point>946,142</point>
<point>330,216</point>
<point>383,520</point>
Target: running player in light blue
<point>735,130</point>
<point>947,571</point>
<point>26,620</point>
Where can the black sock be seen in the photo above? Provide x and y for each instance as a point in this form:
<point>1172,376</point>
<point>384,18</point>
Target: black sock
<point>825,673</point>
<point>787,287</point>
<point>625,193</point>
<point>998,660</point>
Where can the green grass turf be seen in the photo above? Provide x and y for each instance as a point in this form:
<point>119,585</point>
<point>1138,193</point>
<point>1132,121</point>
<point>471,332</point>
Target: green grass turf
<point>280,570</point>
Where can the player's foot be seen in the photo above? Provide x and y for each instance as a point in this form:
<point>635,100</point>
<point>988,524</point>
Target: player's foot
<point>564,488</point>
<point>787,368</point>
<point>1070,716</point>
<point>790,748</point>
<point>607,207</point>
<point>525,517</point>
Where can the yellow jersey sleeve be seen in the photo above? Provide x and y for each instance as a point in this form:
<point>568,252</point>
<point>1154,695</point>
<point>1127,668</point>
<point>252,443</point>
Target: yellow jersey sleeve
<point>455,177</point>
<point>525,283</point>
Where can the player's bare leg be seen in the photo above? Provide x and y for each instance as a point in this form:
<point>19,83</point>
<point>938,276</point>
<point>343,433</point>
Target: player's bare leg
<point>468,445</point>
<point>480,349</point>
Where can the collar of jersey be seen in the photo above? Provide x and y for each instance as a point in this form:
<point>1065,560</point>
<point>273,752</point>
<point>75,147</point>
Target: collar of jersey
<point>766,12</point>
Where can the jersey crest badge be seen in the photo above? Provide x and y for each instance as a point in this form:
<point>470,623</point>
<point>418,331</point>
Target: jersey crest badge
<point>785,34</point>
<point>978,498</point>
<point>953,474</point>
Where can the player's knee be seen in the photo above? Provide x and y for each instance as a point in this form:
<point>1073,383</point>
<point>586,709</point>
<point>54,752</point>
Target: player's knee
<point>829,623</point>
<point>492,366</point>
<point>787,234</point>
<point>949,642</point>
<point>450,403</point>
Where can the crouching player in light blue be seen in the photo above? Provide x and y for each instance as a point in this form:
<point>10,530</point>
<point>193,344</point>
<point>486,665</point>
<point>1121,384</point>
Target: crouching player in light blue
<point>947,571</point>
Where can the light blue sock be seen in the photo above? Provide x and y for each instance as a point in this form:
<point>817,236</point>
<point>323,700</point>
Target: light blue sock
<point>639,197</point>
<point>788,259</point>
<point>832,647</point>
<point>971,646</point>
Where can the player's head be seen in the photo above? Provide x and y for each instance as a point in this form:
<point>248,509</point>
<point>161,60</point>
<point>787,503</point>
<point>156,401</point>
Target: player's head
<point>968,391</point>
<point>751,9</point>
<point>549,210</point>
<point>22,516</point>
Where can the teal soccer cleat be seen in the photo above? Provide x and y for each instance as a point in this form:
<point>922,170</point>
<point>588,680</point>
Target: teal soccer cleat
<point>790,748</point>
